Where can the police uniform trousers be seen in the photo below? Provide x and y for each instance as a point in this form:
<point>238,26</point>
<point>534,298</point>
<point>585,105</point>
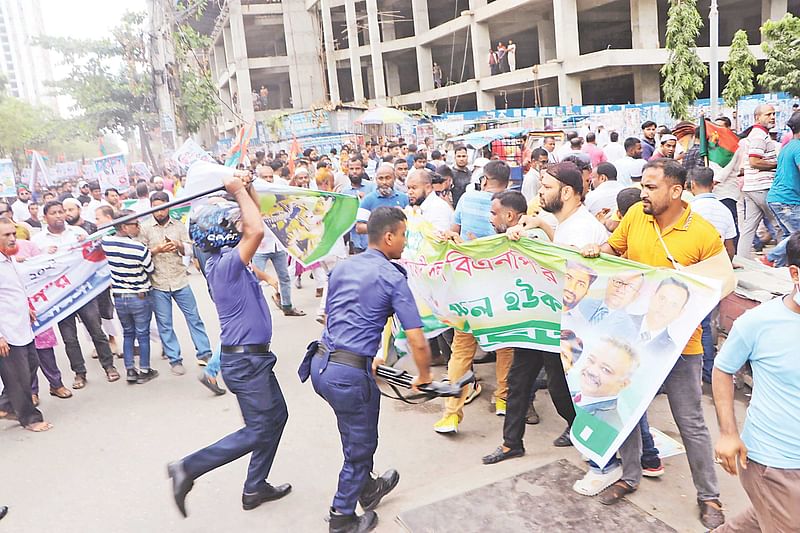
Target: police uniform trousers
<point>355,399</point>
<point>251,378</point>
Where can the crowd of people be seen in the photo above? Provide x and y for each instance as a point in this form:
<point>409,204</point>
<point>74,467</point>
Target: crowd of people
<point>595,192</point>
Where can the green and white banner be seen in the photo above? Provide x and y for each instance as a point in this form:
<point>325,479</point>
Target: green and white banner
<point>618,326</point>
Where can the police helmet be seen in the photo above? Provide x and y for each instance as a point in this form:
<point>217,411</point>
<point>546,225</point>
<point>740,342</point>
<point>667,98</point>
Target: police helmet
<point>213,226</point>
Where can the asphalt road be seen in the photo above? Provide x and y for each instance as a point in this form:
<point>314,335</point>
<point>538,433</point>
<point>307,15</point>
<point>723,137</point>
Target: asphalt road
<point>103,467</point>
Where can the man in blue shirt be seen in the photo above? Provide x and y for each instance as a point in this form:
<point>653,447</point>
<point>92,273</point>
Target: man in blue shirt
<point>768,451</point>
<point>783,198</point>
<point>363,292</point>
<point>233,235</point>
<point>384,195</point>
<point>360,187</point>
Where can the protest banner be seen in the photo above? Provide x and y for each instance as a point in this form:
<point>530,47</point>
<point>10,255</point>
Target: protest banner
<point>7,181</point>
<point>188,153</point>
<point>39,172</point>
<point>112,172</point>
<point>617,325</point>
<point>140,168</point>
<point>70,169</point>
<point>59,284</point>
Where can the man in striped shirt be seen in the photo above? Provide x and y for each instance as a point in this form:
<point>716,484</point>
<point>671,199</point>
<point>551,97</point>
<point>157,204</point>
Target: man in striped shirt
<point>130,264</point>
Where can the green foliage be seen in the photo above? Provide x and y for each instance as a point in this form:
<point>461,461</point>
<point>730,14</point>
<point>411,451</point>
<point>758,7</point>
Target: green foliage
<point>739,69</point>
<point>197,99</point>
<point>781,44</point>
<point>684,72</point>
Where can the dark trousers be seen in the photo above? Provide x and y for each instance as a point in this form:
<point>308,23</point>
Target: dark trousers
<point>355,399</point>
<point>730,203</point>
<point>15,371</point>
<point>251,378</point>
<point>46,360</point>
<point>521,379</point>
<point>90,316</point>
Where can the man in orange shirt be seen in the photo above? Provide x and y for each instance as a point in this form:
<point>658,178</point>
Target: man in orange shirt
<point>662,231</point>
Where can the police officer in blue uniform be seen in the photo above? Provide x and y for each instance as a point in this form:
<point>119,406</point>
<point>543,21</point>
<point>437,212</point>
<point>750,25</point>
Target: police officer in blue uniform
<point>232,233</point>
<point>363,292</point>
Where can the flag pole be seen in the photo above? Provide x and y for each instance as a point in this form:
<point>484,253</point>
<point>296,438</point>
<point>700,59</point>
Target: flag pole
<point>169,205</point>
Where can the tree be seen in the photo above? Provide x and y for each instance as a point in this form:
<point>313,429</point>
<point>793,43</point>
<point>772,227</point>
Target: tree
<point>197,98</point>
<point>684,72</point>
<point>781,44</point>
<point>739,69</point>
<point>110,80</point>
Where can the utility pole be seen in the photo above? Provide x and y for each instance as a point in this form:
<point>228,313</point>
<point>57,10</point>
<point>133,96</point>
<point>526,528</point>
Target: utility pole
<point>159,60</point>
<point>713,62</point>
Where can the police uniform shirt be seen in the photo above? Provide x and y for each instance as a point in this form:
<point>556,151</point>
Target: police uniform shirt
<point>363,292</point>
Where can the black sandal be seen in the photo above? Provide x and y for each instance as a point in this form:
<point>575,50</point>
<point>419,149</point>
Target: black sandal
<point>293,312</point>
<point>615,493</point>
<point>500,455</point>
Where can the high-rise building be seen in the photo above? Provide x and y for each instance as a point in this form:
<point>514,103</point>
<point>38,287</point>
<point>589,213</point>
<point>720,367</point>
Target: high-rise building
<point>26,67</point>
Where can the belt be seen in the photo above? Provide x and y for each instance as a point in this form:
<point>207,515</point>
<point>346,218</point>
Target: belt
<point>140,295</point>
<point>246,348</point>
<point>349,359</point>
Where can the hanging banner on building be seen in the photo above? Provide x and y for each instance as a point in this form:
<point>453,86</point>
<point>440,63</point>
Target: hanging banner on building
<point>59,284</point>
<point>112,172</point>
<point>618,326</point>
<point>8,186</point>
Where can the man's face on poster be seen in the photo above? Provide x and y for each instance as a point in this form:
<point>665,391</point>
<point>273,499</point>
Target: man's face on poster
<point>666,305</point>
<point>607,370</point>
<point>576,284</point>
<point>622,289</point>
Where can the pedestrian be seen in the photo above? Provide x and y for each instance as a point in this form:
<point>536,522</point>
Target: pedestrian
<point>663,218</point>
<point>342,363</point>
<point>168,241</point>
<point>131,264</point>
<point>614,150</point>
<point>462,175</point>
<point>602,199</point>
<point>511,55</point>
<point>648,139</point>
<point>246,331</point>
<point>437,76</point>
<point>532,180</point>
<point>20,205</point>
<point>17,347</point>
<point>494,67</point>
<point>783,198</point>
<point>629,168</point>
<point>768,457</point>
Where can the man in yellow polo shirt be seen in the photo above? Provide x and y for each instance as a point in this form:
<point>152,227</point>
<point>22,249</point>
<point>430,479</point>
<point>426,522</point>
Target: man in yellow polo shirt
<point>662,231</point>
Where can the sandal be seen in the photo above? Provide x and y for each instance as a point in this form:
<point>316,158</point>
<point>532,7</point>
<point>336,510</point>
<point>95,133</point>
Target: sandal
<point>277,299</point>
<point>39,427</point>
<point>293,312</point>
<point>111,374</point>
<point>79,382</point>
<point>61,392</point>
<point>615,493</point>
<point>8,415</point>
<point>35,400</point>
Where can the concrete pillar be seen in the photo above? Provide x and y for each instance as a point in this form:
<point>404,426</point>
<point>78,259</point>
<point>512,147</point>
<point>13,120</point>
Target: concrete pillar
<point>378,82</point>
<point>546,32</point>
<point>355,58</point>
<point>565,18</point>
<point>240,60</point>
<point>481,43</point>
<point>644,23</point>
<point>773,9</point>
<point>646,85</point>
<point>301,33</point>
<point>419,10</point>
<point>392,78</point>
<point>330,61</point>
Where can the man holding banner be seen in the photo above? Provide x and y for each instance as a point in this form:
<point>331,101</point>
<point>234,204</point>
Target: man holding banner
<point>661,231</point>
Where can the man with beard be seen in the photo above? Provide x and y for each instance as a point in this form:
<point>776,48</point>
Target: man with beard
<point>168,241</point>
<point>648,139</point>
<point>84,196</point>
<point>680,239</point>
<point>384,195</point>
<point>578,280</point>
<point>158,186</point>
<point>433,208</point>
<point>360,187</point>
<point>17,347</point>
<point>462,175</point>
<point>72,212</point>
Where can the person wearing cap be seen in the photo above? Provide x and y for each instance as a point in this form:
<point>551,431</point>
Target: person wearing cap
<point>20,206</point>
<point>73,215</point>
<point>667,145</point>
<point>83,193</point>
<point>158,186</point>
<point>232,235</point>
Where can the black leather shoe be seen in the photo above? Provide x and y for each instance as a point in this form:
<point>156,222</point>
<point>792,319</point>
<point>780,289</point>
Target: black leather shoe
<point>213,386</point>
<point>350,523</point>
<point>3,511</point>
<point>147,375</point>
<point>563,440</point>
<point>268,494</point>
<point>181,484</point>
<point>500,455</point>
<point>375,489</point>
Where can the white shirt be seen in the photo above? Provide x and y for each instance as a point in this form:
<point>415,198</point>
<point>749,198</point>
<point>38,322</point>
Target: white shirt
<point>563,151</point>
<point>628,168</point>
<point>580,229</point>
<point>437,212</point>
<point>726,179</point>
<point>20,210</point>
<point>614,151</point>
<point>530,184</point>
<point>269,244</point>
<point>45,239</point>
<point>15,327</point>
<point>710,208</point>
<point>603,197</point>
<point>140,205</point>
<point>88,212</point>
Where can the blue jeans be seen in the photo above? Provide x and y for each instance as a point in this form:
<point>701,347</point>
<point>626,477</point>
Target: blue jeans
<point>788,217</point>
<point>134,314</point>
<point>251,378</point>
<point>280,260</point>
<point>650,458</point>
<point>184,297</point>
<point>709,350</point>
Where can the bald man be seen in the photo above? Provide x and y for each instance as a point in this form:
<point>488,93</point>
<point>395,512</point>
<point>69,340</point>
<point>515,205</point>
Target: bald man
<point>421,195</point>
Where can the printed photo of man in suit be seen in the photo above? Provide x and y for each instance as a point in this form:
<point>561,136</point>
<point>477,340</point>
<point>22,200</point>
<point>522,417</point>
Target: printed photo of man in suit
<point>608,314</point>
<point>666,305</point>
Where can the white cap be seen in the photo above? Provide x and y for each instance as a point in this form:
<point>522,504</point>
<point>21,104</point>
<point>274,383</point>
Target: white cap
<point>480,162</point>
<point>668,137</point>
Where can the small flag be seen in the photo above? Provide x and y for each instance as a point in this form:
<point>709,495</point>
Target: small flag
<point>239,148</point>
<point>38,171</point>
<point>718,144</point>
<point>293,151</point>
